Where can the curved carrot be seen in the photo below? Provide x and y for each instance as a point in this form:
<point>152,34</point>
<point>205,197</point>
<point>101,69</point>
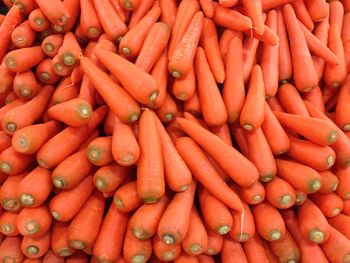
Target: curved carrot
<point>126,198</point>
<point>330,204</point>
<point>243,225</point>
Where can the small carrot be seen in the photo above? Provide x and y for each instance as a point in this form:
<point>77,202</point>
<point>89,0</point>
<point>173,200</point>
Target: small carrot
<point>330,204</point>
<point>167,111</point>
<point>273,231</point>
<point>126,197</point>
<point>59,244</point>
<point>341,116</point>
<point>8,224</point>
<point>280,193</point>
<point>23,35</point>
<point>6,78</point>
<point>291,100</point>
<point>10,250</point>
<point>36,247</point>
<point>59,68</point>
<point>55,11</point>
<point>337,247</point>
<point>252,195</point>
<point>52,44</point>
<point>109,177</point>
<point>76,197</point>
<point>24,58</point>
<point>13,162</point>
<point>254,249</point>
<point>136,250</point>
<point>109,242</point>
<point>25,84</point>
<point>184,88</point>
<point>144,222</point>
<point>286,249</point>
<point>8,197</point>
<point>38,21</point>
<point>215,242</point>
<point>45,72</point>
<point>343,176</point>
<point>231,19</point>
<point>89,22</point>
<point>99,151</point>
<point>340,222</point>
<point>34,222</point>
<point>165,252</point>
<point>84,228</point>
<point>284,61</point>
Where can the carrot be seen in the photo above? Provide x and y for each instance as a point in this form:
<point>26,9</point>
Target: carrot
<point>252,195</point>
<point>129,4</point>
<point>25,84</point>
<point>335,75</point>
<point>174,223</point>
<point>215,242</point>
<point>8,197</point>
<point>324,134</point>
<point>209,178</point>
<point>11,96</point>
<point>168,14</point>
<point>59,68</point>
<point>315,97</point>
<point>253,10</point>
<point>136,250</point>
<point>286,249</point>
<point>13,162</point>
<point>340,222</point>
<point>110,20</point>
<point>153,46</point>
<point>50,257</point>
<point>26,6</point>
<point>185,258</point>
<point>317,10</point>
<point>233,92</point>
<point>10,250</point>
<point>34,222</point>
<point>184,88</point>
<point>77,75</point>
<point>160,75</point>
<point>23,35</point>
<point>280,193</point>
<point>54,151</point>
<point>181,61</point>
<point>343,176</point>
<point>299,52</point>
<point>36,247</point>
<point>15,119</point>
<point>139,13</point>
<point>252,114</point>
<point>337,247</point>
<point>341,116</point>
<point>38,21</point>
<point>215,213</point>
<point>224,41</point>
<point>78,257</point>
<point>232,251</point>
<point>5,140</point>
<point>336,14</point>
<point>55,11</point>
<point>59,243</point>
<point>87,91</point>
<point>330,204</point>
<point>109,177</point>
<point>8,224</point>
<point>302,14</point>
<point>32,260</point>
<point>254,249</point>
<point>24,58</point>
<point>6,78</point>
<point>231,161</point>
<point>291,100</point>
<point>231,19</point>
<point>208,8</point>
<point>45,72</point>
<point>131,43</point>
<point>52,44</point>
<point>329,182</point>
<point>167,111</point>
<point>84,228</point>
<point>344,34</point>
<point>243,225</point>
<point>27,193</point>
<point>284,61</point>
<point>165,252</point>
<point>126,198</point>
<point>108,244</point>
<point>124,14</point>
<point>70,50</point>
<point>99,151</point>
<point>12,19</point>
<point>89,22</point>
<point>193,105</point>
<point>9,106</point>
<point>346,207</point>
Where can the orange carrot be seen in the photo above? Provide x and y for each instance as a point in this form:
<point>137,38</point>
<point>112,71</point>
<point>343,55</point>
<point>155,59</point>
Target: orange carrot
<point>225,40</point>
<point>243,225</point>
<point>87,91</point>
<point>284,61</point>
<point>78,257</point>
<point>169,9</point>
<point>108,244</point>
<point>208,8</point>
<point>99,151</point>
<point>24,58</point>
<point>286,249</point>
<point>85,226</point>
<point>89,22</point>
<point>5,140</point>
<point>8,197</point>
<point>8,224</point>
<point>167,111</point>
<point>160,75</point>
<point>136,250</point>
<point>109,177</point>
<point>55,11</point>
<point>60,68</point>
<point>25,84</point>
<point>280,193</point>
<point>36,247</point>
<point>193,104</point>
<point>139,13</point>
<point>45,72</point>
<point>184,89</point>
<point>291,100</point>
<point>69,51</point>
<point>329,182</point>
<point>337,247</point>
<point>336,14</point>
<point>302,14</point>
<point>165,252</point>
<point>23,35</point>
<point>126,198</point>
<point>38,21</point>
<point>59,243</point>
<point>254,250</point>
<point>231,19</point>
<point>185,258</point>
<point>330,204</point>
<point>340,222</point>
<point>317,9</point>
<point>13,162</point>
<point>341,116</point>
<point>343,176</point>
<point>232,251</point>
<point>6,78</point>
<point>10,250</point>
<point>124,14</point>
<point>254,12</point>
<point>215,242</point>
<point>252,195</point>
<point>315,97</point>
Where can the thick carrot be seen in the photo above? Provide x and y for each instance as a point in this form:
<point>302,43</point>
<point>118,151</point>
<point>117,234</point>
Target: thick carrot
<point>25,84</point>
<point>126,198</point>
<point>75,197</point>
<point>291,100</point>
<point>330,204</point>
<point>136,250</point>
<point>184,89</point>
<point>23,35</point>
<point>89,22</point>
<point>8,197</point>
<point>215,213</point>
<point>252,195</point>
<point>99,151</point>
<point>87,91</point>
<point>165,252</point>
<point>140,12</point>
<point>55,11</point>
<point>8,224</point>
<point>286,249</point>
<point>181,61</point>
<point>34,222</point>
<point>24,58</point>
<point>314,129</point>
<point>337,247</point>
<point>13,162</point>
<point>110,20</point>
<point>299,52</point>
<point>174,223</point>
<point>124,14</point>
<point>336,14</point>
<point>59,243</point>
<point>329,182</point>
<point>254,249</point>
<point>109,242</point>
<point>302,14</point>
<point>227,157</point>
<point>10,250</point>
<point>47,156</point>
<point>280,193</point>
<point>233,92</point>
<point>208,8</point>
<point>36,247</point>
<point>38,21</point>
<point>231,19</point>
<point>284,61</point>
<point>215,242</point>
<point>167,111</point>
<point>144,222</point>
<point>70,50</point>
<point>84,228</point>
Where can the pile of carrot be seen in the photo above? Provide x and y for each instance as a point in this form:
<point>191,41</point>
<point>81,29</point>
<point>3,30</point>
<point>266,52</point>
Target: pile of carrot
<point>175,131</point>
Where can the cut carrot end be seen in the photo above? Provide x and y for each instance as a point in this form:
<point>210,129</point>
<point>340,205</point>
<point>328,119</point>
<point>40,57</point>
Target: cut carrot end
<point>196,248</point>
<point>150,200</point>
<point>308,89</point>
<point>84,111</point>
<point>93,32</point>
<point>346,127</point>
<point>316,236</point>
<point>65,252</point>
<point>256,199</point>
<point>45,76</point>
<point>300,198</point>
<point>5,167</point>
<point>77,244</point>
<point>20,41</point>
<point>25,92</point>
<point>243,237</point>
<point>176,74</point>
<point>126,51</point>
<point>134,117</point>
<point>153,96</point>
<point>58,28</point>
<point>248,127</point>
<point>33,250</point>
<point>330,161</point>
<point>127,5</point>
<point>126,159</point>
<point>168,255</point>
<point>119,203</point>
<point>94,154</point>
<point>26,200</point>
<point>20,6</point>
<point>333,136</point>
<point>336,211</point>
<point>168,239</point>
<point>63,20</point>
<point>100,184</point>
<point>11,127</point>
<point>7,229</point>
<point>55,215</point>
<point>43,164</point>
<point>49,48</point>
<point>58,182</point>
<point>169,117</point>
<point>183,188</point>
<point>31,227</point>
<point>315,185</point>
<point>267,178</point>
<point>69,60</point>
<point>346,258</point>
<point>140,233</point>
<point>138,259</point>
<point>275,235</point>
<point>286,200</point>
<point>10,62</point>
<point>223,230</point>
<point>10,204</point>
<point>211,252</point>
<point>335,84</point>
<point>334,186</point>
<point>58,67</point>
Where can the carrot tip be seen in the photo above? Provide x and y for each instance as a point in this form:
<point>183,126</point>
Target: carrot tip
<point>11,127</point>
<point>286,200</point>
<point>65,252</point>
<point>210,252</point>
<point>139,233</point>
<point>26,200</point>
<point>32,250</point>
<point>196,248</point>
<point>336,211</point>
<point>333,136</point>
<point>330,161</point>
<point>183,188</point>
<point>7,229</point>
<point>275,235</point>
<point>58,67</point>
<point>308,89</point>
<point>176,74</point>
<point>93,32</point>
<point>316,236</point>
<point>223,230</point>
<point>49,48</point>
<point>55,215</point>
<point>58,182</point>
<point>153,96</point>
<point>69,60</point>
<point>243,237</point>
<point>248,127</point>
<point>256,199</point>
<point>300,198</point>
<point>85,111</point>
<point>31,226</point>
<point>267,178</point>
<point>63,20</point>
<point>127,5</point>
<point>346,127</point>
<point>126,51</point>
<point>168,255</point>
<point>150,200</point>
<point>20,6</point>
<point>5,167</point>
<point>182,96</point>
<point>10,204</point>
<point>58,28</point>
<point>169,117</point>
<point>126,159</point>
<point>119,203</point>
<point>100,184</point>
<point>77,244</point>
<point>10,62</point>
<point>168,239</point>
<point>39,21</point>
<point>335,84</point>
<point>315,185</point>
<point>134,117</point>
<point>43,164</point>
<point>45,76</point>
<point>138,259</point>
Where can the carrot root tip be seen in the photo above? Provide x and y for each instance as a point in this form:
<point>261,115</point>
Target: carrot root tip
<point>78,244</point>
<point>196,248</point>
<point>334,186</point>
<point>183,188</point>
<point>5,167</point>
<point>182,96</point>
<point>26,200</point>
<point>248,127</point>
<point>138,259</point>
<point>20,6</point>
<point>210,252</point>
<point>335,84</point>
<point>333,136</point>
<point>31,226</point>
<point>176,74</point>
<point>63,20</point>
<point>223,230</point>
<point>243,237</point>
<point>299,199</point>
<point>7,229</point>
<point>153,96</point>
<point>308,89</point>
<point>94,154</point>
<point>69,60</point>
<point>65,252</point>
<point>330,161</point>
<point>336,211</point>
<point>58,182</point>
<point>93,32</point>
<point>43,164</point>
<point>58,28</point>
<point>100,184</point>
<point>315,185</point>
<point>168,239</point>
<point>316,236</point>
<point>11,127</point>
<point>58,67</point>
<point>55,215</point>
<point>119,203</point>
<point>127,5</point>
<point>39,21</point>
<point>32,250</point>
<point>126,51</point>
<point>25,92</point>
<point>20,41</point>
<point>256,199</point>
<point>275,235</point>
<point>10,204</point>
<point>346,127</point>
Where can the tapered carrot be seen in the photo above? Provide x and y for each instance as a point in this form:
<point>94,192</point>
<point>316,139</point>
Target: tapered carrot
<point>34,222</point>
<point>184,89</point>
<point>13,162</point>
<point>124,14</point>
<point>59,243</point>
<point>233,91</point>
<point>45,72</point>
<point>232,161</point>
<point>136,250</point>
<point>126,198</point>
<point>253,10</point>
<point>225,40</point>
<point>23,35</point>
<point>9,106</point>
<point>75,197</point>
<point>47,156</point>
<point>36,247</point>
<point>8,197</point>
<point>318,10</point>
<point>291,100</point>
<point>273,231</point>
<point>165,252</point>
<point>343,176</point>
<point>324,134</point>
<point>340,222</point>
<point>330,204</point>
<point>26,190</point>
<point>144,222</point>
<point>329,182</point>
<point>72,7</point>
<point>89,22</point>
<point>299,52</point>
<point>8,224</point>
<point>87,91</point>
<point>231,19</point>
<point>254,249</point>
<point>84,228</point>
<point>315,97</point>
<point>286,249</point>
<point>10,250</point>
<point>341,116</point>
<point>337,247</point>
<point>25,84</point>
<point>232,251</point>
<point>252,114</point>
<point>32,260</point>
<point>139,13</point>
<point>215,242</point>
<point>303,14</point>
<point>24,58</point>
<point>210,44</point>
<point>77,75</point>
<point>167,111</point>
<point>336,14</point>
<point>280,193</point>
<point>108,244</point>
<point>38,21</point>
<point>160,75</point>
<point>168,11</point>
<point>174,223</point>
<point>252,195</point>
<point>70,50</point>
<point>111,22</point>
<point>11,96</point>
<point>219,221</point>
<point>208,92</point>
